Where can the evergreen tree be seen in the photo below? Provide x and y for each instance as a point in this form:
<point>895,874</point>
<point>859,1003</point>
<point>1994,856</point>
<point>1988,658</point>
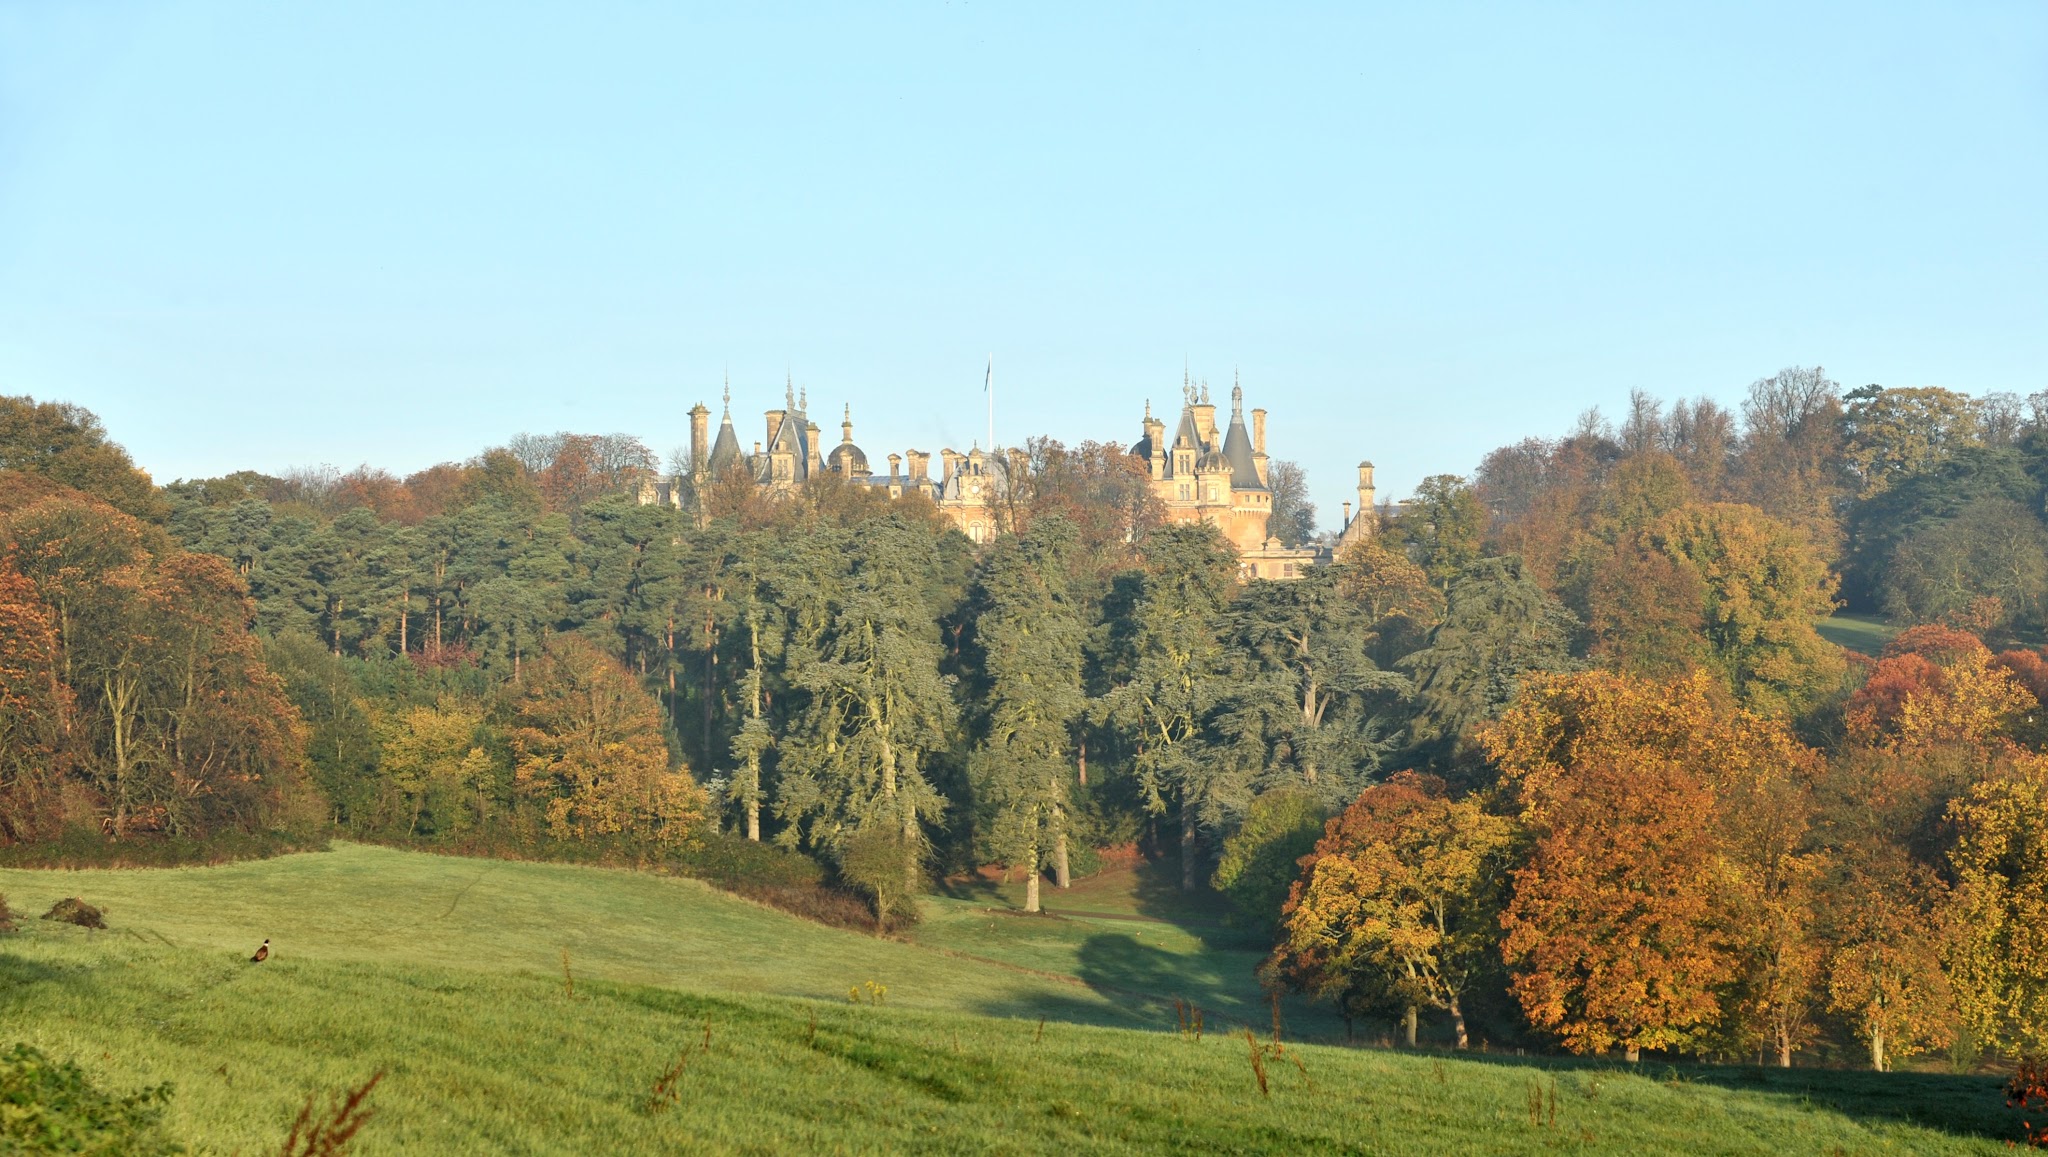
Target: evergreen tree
<point>876,706</point>
<point>1177,675</point>
<point>1030,635</point>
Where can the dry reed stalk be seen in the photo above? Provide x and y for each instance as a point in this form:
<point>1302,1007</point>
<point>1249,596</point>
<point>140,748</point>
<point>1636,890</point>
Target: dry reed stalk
<point>665,1091</point>
<point>329,1136</point>
<point>1258,1060</point>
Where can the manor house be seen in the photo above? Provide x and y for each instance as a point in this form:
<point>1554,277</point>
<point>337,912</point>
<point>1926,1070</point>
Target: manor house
<point>1203,473</point>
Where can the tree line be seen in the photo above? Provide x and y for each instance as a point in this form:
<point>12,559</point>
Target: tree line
<point>1558,751</point>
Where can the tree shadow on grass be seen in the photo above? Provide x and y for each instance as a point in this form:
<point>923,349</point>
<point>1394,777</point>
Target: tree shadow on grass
<point>1955,1104</point>
<point>19,976</point>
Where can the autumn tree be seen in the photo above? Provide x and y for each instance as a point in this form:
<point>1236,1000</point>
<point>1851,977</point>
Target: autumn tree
<point>1398,897</point>
<point>1634,793</point>
<point>35,713</point>
<point>2000,861</point>
<point>1884,929</point>
<point>434,755</point>
<point>1761,586</point>
<point>589,753</point>
<point>67,444</point>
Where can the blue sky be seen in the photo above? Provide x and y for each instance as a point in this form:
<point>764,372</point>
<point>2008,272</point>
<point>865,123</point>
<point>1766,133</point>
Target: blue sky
<point>273,235</point>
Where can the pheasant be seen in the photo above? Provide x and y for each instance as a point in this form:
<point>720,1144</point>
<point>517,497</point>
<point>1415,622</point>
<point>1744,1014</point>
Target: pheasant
<point>262,954</point>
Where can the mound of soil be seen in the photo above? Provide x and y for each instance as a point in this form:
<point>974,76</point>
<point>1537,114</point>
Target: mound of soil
<point>72,910</point>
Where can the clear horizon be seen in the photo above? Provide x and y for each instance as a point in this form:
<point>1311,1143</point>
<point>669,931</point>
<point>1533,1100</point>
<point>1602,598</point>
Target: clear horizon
<point>253,238</point>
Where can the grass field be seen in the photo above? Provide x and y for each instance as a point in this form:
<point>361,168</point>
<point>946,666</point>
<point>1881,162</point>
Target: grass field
<point>1866,634</point>
<point>446,974</point>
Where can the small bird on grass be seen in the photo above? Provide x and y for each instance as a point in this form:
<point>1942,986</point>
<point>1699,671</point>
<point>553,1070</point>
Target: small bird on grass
<point>262,953</point>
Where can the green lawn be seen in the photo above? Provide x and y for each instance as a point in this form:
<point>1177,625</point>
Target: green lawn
<point>1862,633</point>
<point>445,974</point>
<point>1126,931</point>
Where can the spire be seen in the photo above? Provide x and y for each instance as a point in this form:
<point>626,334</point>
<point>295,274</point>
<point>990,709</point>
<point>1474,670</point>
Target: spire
<point>789,390</point>
<point>1236,400</point>
<point>728,395</point>
<point>1148,409</point>
<point>846,424</point>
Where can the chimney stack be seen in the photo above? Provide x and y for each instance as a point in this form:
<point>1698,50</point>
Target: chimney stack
<point>920,464</point>
<point>700,438</point>
<point>1258,431</point>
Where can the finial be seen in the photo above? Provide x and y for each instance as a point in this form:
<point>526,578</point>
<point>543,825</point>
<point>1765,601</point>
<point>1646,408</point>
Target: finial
<point>803,400</point>
<point>728,393</point>
<point>1236,396</point>
<point>789,390</point>
<point>849,412</point>
<point>1148,409</point>
<point>1205,393</point>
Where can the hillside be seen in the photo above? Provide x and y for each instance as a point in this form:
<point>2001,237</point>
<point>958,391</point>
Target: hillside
<point>446,973</point>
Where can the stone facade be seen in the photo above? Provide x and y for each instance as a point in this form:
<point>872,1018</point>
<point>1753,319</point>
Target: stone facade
<point>1201,473</point>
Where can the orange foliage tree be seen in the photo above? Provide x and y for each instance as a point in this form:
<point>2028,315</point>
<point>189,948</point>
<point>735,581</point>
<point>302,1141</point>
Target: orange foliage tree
<point>1640,798</point>
<point>34,713</point>
<point>1935,685</point>
<point>161,692</point>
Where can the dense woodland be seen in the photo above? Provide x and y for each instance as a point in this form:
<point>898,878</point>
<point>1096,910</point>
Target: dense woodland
<point>1557,757</point>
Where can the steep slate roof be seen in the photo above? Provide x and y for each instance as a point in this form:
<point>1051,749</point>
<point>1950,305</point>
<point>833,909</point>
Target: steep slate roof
<point>726,450</point>
<point>1237,446</point>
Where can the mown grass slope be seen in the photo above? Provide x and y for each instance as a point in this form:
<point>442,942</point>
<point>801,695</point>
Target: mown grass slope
<point>1866,634</point>
<point>444,974</point>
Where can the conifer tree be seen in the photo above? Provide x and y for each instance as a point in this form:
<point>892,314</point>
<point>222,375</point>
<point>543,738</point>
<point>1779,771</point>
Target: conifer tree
<point>876,706</point>
<point>1177,674</point>
<point>1030,636</point>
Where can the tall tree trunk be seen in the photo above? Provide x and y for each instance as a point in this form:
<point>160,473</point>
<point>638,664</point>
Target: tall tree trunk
<point>1633,1054</point>
<point>1877,1050</point>
<point>1061,878</point>
<point>404,612</point>
<point>1032,872</point>
<point>1458,1021</point>
<point>1784,1047</point>
<point>1187,845</point>
<point>1084,763</point>
<point>1408,1022</point>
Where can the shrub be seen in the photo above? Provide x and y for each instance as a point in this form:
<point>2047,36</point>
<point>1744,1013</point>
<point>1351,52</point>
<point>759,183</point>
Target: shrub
<point>72,910</point>
<point>49,1107</point>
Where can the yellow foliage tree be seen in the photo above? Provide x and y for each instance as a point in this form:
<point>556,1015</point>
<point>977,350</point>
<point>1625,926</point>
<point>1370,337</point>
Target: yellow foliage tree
<point>1999,957</point>
<point>1397,900</point>
<point>589,751</point>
